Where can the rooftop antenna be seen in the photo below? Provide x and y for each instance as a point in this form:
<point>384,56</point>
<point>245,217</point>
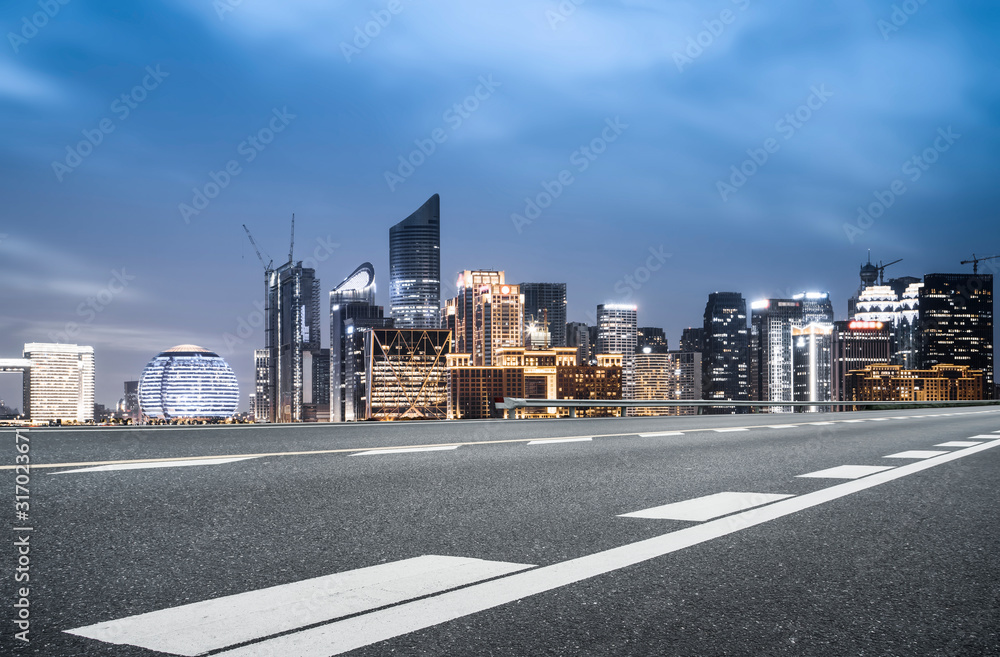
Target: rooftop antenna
<point>291,246</point>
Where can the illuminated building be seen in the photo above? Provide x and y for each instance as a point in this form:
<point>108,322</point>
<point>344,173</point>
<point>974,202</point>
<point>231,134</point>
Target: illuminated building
<point>545,308</point>
<point>725,359</point>
<point>674,375</point>
<point>128,405</point>
<point>471,284</point>
<point>292,338</point>
<point>857,344</point>
<point>877,383</point>
<point>397,374</point>
<point>956,323</point>
<point>692,339</point>
<point>578,335</point>
<point>816,307</point>
<point>188,381</point>
<point>616,334</point>
<point>260,405</point>
<point>415,268</point>
<point>652,338</point>
<point>58,381</point>
<point>771,350</point>
<point>499,322</point>
<point>812,363</point>
<point>352,301</point>
<point>603,381</point>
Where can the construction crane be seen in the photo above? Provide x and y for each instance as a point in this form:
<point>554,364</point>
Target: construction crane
<point>975,262</point>
<point>881,270</point>
<point>267,267</point>
<point>291,245</point>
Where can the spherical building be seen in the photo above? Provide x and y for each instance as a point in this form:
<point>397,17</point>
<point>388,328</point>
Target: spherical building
<point>188,382</point>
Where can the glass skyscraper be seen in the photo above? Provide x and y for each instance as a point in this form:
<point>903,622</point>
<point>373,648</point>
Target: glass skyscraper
<point>415,268</point>
<point>956,323</point>
<point>545,307</point>
<point>725,359</point>
<point>616,334</point>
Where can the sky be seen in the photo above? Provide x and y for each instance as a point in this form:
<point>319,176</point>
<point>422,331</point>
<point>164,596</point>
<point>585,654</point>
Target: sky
<point>640,151</point>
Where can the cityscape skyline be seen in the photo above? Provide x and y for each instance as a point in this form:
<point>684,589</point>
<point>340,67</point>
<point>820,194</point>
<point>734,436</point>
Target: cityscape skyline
<point>587,151</point>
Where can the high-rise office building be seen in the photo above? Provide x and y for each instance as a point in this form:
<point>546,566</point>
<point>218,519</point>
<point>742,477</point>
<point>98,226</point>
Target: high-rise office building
<point>616,334</point>
<point>674,375</point>
<point>578,335</point>
<point>652,338</point>
<point>897,306</point>
<point>956,323</point>
<point>545,312</point>
<point>469,323</point>
<point>260,404</point>
<point>816,307</point>
<point>812,363</point>
<point>415,268</point>
<point>292,337</point>
<point>186,382</point>
<point>692,339</point>
<point>128,405</point>
<point>771,350</point>
<point>58,382</point>
<point>856,345</point>
<point>499,322</point>
<point>352,301</point>
<point>726,358</point>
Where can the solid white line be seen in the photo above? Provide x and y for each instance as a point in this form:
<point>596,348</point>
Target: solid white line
<point>367,629</point>
<point>879,419</point>
<point>157,464</point>
<point>406,450</point>
<point>915,454</point>
<point>549,441</point>
<point>852,421</point>
<point>959,443</point>
<point>201,627</point>
<point>820,424</point>
<point>662,433</point>
<point>782,426</point>
<point>984,435</point>
<point>847,471</point>
<point>730,430</point>
<point>704,508</point>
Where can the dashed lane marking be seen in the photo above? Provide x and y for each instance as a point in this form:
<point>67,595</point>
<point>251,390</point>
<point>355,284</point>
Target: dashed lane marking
<point>915,454</point>
<point>405,450</point>
<point>704,508</point>
<point>959,443</point>
<point>661,433</point>
<point>158,464</point>
<point>847,471</point>
<point>730,430</point>
<point>549,441</point>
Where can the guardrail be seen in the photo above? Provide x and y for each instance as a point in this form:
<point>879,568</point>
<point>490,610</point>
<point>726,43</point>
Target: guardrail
<point>511,404</point>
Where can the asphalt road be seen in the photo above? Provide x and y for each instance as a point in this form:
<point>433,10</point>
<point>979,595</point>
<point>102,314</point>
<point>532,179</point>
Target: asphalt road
<point>531,551</point>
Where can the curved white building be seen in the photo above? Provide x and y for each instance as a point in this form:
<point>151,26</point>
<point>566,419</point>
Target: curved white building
<point>188,382</point>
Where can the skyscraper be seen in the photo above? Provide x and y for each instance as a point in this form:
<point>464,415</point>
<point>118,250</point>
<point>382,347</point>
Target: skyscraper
<point>856,345</point>
<point>578,335</point>
<point>956,323</point>
<point>673,375</point>
<point>693,339</point>
<point>771,350</point>
<point>499,322</point>
<point>726,358</point>
<point>415,268</point>
<point>471,285</point>
<point>545,306</point>
<point>816,307</point>
<point>616,334</point>
<point>812,363</point>
<point>58,382</point>
<point>652,338</point>
<point>292,337</point>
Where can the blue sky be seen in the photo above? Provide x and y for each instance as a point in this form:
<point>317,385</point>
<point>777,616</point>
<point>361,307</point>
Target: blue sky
<point>647,111</point>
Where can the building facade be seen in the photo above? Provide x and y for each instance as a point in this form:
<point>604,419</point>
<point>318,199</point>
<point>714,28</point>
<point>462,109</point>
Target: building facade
<point>725,357</point>
<point>771,350</point>
<point>693,339</point>
<point>578,335</point>
<point>415,268</point>
<point>812,364</point>
<point>545,312</point>
<point>675,375</point>
<point>877,383</point>
<point>652,338</point>
<point>58,382</point>
<point>617,334</point>
<point>188,382</point>
<point>856,345</point>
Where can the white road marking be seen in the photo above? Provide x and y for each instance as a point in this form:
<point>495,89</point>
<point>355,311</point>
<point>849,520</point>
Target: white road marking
<point>157,464</point>
<point>782,426</point>
<point>367,629</point>
<point>852,421</point>
<point>194,629</point>
<point>915,454</point>
<point>847,471</point>
<point>704,508</point>
<point>878,419</point>
<point>820,424</point>
<point>549,441</point>
<point>984,435</point>
<point>730,430</point>
<point>662,433</point>
<point>406,450</point>
<point>901,417</point>
<point>959,443</point>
